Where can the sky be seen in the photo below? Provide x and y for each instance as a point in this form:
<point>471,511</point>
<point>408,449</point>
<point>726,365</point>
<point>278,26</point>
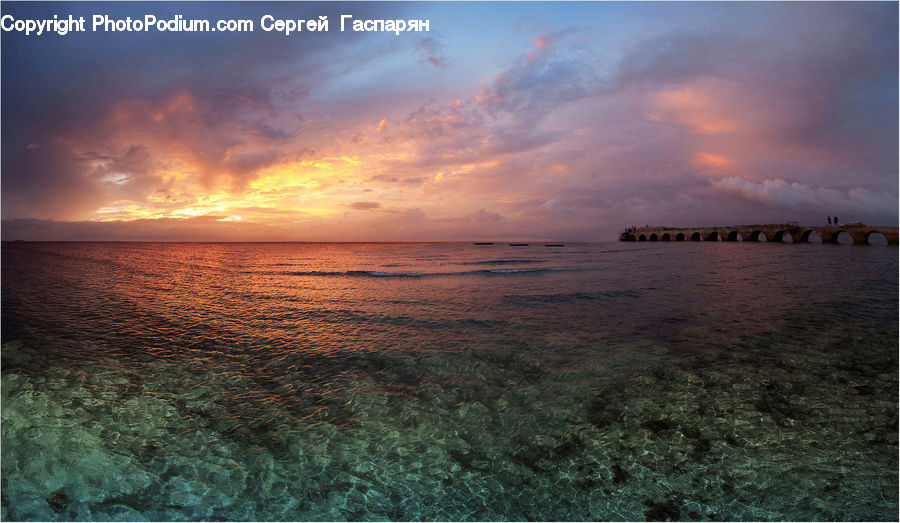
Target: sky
<point>535,120</point>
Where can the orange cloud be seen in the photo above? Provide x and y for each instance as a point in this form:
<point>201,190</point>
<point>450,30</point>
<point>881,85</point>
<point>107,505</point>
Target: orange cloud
<point>140,109</point>
<point>711,161</point>
<point>698,110</point>
<point>707,125</point>
<point>541,42</point>
<point>684,99</point>
<point>560,169</point>
<point>180,102</point>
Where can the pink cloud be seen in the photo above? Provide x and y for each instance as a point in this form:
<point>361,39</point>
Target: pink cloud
<point>857,201</point>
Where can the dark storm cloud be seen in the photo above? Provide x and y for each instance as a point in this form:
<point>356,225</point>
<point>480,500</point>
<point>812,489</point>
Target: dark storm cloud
<point>46,181</point>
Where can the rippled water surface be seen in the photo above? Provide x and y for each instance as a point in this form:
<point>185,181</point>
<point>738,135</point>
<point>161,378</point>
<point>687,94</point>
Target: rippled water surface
<point>700,381</point>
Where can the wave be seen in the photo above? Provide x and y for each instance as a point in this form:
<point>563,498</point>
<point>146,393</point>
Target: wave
<point>383,274</point>
<point>498,262</point>
<point>540,299</point>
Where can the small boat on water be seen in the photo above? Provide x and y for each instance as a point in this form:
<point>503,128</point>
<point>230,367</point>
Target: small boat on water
<point>518,245</point>
<point>554,245</point>
<point>484,243</point>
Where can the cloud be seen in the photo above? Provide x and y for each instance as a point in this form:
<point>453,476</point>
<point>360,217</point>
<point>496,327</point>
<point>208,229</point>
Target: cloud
<point>204,123</point>
<point>48,182</point>
<point>680,56</point>
<point>539,82</point>
<point>483,216</point>
<point>711,161</point>
<point>856,202</point>
<point>203,228</point>
<point>555,130</point>
<point>555,209</point>
<point>365,206</point>
<point>505,116</point>
<point>431,52</point>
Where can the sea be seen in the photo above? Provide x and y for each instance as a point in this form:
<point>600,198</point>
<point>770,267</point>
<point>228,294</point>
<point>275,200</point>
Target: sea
<point>449,382</point>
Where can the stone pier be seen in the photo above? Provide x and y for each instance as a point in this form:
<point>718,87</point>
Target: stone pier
<point>851,234</point>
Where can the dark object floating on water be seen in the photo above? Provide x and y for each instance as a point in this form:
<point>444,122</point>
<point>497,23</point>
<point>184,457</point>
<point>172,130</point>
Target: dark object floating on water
<point>554,245</point>
<point>518,245</point>
<point>58,501</point>
<point>484,243</point>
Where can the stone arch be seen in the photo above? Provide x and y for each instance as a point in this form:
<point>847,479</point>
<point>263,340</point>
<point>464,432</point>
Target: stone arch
<point>758,236</point>
<point>642,238</point>
<point>735,236</point>
<point>714,236</point>
<point>842,238</point>
<point>666,237</point>
<point>696,237</point>
<point>679,237</point>
<point>811,236</point>
<point>784,237</point>
<point>876,238</point>
<point>654,237</point>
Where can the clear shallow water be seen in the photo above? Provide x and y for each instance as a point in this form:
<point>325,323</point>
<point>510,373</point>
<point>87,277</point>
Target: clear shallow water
<point>449,382</point>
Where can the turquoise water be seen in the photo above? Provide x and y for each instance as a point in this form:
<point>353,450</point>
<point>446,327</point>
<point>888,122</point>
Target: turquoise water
<point>147,381</point>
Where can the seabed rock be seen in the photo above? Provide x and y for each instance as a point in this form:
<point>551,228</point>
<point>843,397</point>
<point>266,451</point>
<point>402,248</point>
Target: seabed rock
<point>668,510</point>
<point>58,500</point>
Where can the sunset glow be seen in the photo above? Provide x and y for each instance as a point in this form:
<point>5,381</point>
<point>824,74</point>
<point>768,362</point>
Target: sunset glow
<point>539,121</point>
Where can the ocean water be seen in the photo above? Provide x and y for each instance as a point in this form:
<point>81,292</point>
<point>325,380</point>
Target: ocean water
<point>449,381</point>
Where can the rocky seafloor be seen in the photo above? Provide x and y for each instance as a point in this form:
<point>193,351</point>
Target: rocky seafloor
<point>786,425</point>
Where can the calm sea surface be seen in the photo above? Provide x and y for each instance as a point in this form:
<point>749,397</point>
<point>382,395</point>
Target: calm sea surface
<point>448,381</point>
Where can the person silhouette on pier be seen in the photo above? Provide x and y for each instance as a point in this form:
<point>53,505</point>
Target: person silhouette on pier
<point>829,221</point>
<point>835,221</point>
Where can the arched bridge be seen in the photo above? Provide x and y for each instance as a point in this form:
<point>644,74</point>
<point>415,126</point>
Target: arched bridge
<point>842,235</point>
